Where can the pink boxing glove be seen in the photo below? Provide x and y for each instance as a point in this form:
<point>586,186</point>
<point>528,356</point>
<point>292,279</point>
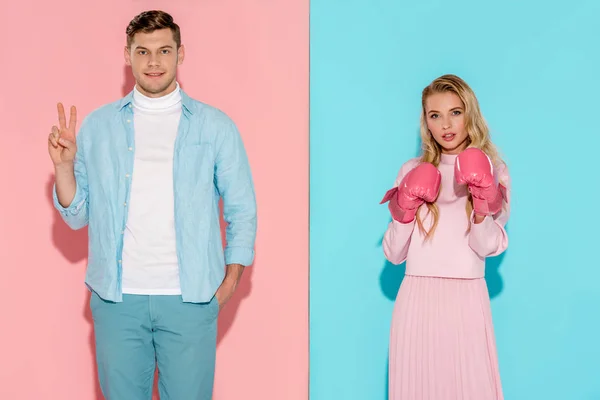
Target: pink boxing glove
<point>421,184</point>
<point>474,168</point>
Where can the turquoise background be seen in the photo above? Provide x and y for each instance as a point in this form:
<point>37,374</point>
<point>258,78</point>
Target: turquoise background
<point>535,68</point>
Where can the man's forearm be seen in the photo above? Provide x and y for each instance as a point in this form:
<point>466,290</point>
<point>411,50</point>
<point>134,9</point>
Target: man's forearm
<point>66,185</point>
<point>234,273</point>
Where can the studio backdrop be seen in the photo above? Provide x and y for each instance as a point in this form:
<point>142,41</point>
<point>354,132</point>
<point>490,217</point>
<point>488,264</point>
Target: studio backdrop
<point>534,67</point>
<point>250,59</point>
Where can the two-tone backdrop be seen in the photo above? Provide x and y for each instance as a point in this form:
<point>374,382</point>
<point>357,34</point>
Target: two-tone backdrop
<point>327,98</point>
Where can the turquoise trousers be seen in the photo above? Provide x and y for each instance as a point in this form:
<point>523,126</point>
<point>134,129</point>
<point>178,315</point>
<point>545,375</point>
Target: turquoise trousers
<point>142,332</point>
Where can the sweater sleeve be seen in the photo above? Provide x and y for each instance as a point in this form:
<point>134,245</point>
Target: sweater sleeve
<point>489,238</point>
<point>396,239</point>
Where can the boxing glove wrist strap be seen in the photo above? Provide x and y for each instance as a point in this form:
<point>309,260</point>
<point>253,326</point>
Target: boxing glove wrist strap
<point>489,207</point>
<point>399,214</point>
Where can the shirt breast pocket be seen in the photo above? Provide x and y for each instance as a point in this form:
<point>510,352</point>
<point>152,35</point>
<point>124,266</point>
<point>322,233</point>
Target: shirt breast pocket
<point>195,165</point>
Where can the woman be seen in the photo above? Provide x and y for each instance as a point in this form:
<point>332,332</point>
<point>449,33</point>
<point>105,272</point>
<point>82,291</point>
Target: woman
<point>449,208</point>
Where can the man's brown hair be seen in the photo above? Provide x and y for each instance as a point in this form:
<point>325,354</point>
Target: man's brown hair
<point>149,21</point>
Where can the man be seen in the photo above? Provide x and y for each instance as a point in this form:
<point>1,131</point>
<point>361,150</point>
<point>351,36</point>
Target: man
<point>145,174</point>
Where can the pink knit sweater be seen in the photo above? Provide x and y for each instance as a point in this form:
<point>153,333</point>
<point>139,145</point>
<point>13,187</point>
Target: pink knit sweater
<point>452,252</point>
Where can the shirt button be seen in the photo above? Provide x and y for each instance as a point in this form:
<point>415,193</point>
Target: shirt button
<point>128,121</point>
<point>130,106</point>
<point>125,204</point>
<point>131,148</point>
<point>120,261</point>
<point>126,175</point>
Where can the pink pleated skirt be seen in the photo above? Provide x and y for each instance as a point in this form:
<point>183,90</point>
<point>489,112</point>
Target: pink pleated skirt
<point>442,344</point>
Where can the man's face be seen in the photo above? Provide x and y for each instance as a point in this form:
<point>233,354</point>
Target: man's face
<point>154,58</point>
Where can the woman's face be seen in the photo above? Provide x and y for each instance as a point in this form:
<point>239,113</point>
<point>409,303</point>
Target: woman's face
<point>445,116</point>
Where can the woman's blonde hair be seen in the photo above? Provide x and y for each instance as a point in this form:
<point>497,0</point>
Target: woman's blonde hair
<point>475,125</point>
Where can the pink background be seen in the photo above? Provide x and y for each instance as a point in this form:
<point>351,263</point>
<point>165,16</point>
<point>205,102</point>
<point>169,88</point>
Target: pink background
<point>248,58</point>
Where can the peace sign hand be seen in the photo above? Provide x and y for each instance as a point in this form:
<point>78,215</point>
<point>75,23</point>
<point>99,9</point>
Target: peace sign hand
<point>62,144</point>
